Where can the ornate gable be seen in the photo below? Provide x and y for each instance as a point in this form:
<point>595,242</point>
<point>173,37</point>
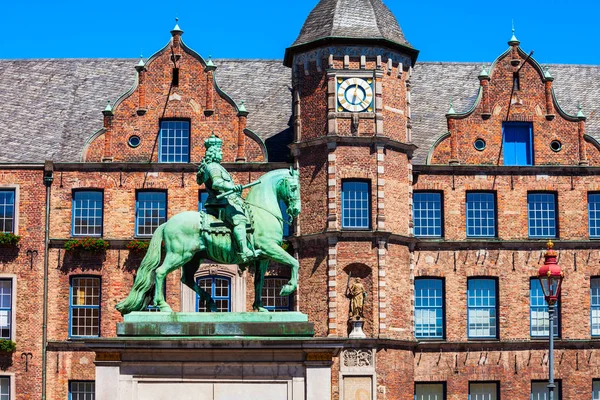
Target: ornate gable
<point>515,120</point>
<point>175,85</point>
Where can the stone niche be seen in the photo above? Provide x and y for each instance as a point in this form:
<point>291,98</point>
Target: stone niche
<point>226,369</point>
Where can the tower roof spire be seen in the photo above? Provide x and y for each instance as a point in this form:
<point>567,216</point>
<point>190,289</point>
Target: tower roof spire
<point>356,22</point>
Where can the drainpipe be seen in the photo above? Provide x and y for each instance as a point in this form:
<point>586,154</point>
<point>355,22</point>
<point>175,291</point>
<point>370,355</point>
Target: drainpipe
<point>48,178</point>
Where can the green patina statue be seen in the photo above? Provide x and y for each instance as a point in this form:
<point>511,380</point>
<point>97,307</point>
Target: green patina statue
<point>255,224</point>
<point>230,207</point>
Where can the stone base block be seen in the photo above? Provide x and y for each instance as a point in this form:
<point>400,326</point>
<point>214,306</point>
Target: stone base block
<point>149,324</point>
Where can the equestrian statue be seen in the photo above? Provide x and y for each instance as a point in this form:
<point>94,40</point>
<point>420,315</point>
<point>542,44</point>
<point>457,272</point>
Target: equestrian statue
<point>233,230</point>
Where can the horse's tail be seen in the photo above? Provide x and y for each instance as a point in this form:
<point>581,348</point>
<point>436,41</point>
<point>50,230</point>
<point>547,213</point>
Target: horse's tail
<point>142,292</point>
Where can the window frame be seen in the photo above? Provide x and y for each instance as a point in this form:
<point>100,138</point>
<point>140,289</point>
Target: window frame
<point>556,219</point>
<point>442,307</point>
<point>11,384</point>
<point>594,307</point>
<point>160,137</point>
<point>557,389</point>
<point>441,203</point>
<point>496,383</point>
<point>87,190</point>
<point>12,314</point>
<point>15,207</point>
<point>597,227</point>
<point>137,203</point>
<point>369,206</point>
<point>201,203</point>
<point>213,278</point>
<point>531,154</point>
<point>557,331</point>
<point>78,382</point>
<point>496,308</point>
<point>290,306</point>
<point>495,203</point>
<point>597,381</point>
<point>442,383</point>
<point>71,306</point>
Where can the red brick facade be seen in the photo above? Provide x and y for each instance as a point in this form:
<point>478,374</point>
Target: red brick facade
<point>330,148</point>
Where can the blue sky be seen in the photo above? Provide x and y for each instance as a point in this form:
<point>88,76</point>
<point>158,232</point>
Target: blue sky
<point>456,30</point>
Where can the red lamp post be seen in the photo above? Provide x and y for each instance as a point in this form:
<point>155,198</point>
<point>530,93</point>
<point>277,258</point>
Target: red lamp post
<point>551,277</point>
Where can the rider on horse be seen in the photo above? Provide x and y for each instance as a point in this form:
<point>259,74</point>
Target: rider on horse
<point>217,181</point>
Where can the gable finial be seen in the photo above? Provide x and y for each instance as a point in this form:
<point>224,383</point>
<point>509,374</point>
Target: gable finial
<point>451,110</point>
<point>547,74</point>
<point>108,110</point>
<point>513,40</point>
<point>176,29</point>
<point>580,113</point>
<point>484,73</point>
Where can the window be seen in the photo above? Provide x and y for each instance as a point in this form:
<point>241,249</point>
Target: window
<point>174,142</point>
<point>87,213</point>
<point>427,214</point>
<point>85,306</point>
<point>5,309</point>
<point>429,308</point>
<point>595,306</point>
<point>4,388</point>
<point>539,390</point>
<point>150,212</point>
<point>594,215</point>
<point>596,389</point>
<point>7,211</point>
<point>540,321</point>
<point>481,214</point>
<point>541,211</point>
<point>430,391</point>
<point>516,143</point>
<point>202,197</point>
<point>483,391</point>
<point>482,308</point>
<point>219,287</point>
<point>82,390</point>
<point>285,217</point>
<point>271,299</point>
<point>356,210</point>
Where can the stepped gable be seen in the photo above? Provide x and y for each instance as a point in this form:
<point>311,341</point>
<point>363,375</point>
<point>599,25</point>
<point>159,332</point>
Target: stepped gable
<point>356,19</point>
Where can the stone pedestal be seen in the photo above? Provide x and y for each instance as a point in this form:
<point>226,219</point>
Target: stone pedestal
<point>219,356</point>
<point>357,329</point>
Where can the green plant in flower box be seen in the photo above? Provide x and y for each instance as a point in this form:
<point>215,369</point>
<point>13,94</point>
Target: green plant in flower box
<point>7,346</point>
<point>86,244</point>
<point>9,239</point>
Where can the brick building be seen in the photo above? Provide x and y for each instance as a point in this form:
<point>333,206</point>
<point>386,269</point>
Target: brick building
<point>436,184</point>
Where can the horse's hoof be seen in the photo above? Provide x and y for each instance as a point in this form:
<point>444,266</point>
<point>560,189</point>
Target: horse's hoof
<point>212,307</point>
<point>262,309</point>
<point>286,290</point>
<point>166,308</point>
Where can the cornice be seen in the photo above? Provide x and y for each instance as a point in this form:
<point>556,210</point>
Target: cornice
<point>407,148</point>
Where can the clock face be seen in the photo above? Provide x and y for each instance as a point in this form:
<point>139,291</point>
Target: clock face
<point>355,94</point>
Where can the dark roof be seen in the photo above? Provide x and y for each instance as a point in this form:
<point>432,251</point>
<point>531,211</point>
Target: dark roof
<point>357,19</point>
<point>51,107</point>
<point>435,83</point>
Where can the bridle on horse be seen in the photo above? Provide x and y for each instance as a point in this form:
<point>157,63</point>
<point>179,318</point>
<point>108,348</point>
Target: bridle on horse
<point>287,202</point>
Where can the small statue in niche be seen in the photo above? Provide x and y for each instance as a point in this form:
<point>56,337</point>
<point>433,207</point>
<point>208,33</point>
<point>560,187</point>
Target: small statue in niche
<point>357,294</point>
<point>354,125</point>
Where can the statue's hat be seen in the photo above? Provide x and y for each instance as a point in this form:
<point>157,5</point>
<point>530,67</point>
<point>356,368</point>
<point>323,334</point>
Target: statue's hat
<point>213,140</point>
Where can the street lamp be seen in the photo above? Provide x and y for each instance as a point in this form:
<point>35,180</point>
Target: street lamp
<point>551,277</point>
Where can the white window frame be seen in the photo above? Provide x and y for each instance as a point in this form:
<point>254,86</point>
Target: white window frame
<point>231,271</point>
<point>16,188</point>
<point>13,305</point>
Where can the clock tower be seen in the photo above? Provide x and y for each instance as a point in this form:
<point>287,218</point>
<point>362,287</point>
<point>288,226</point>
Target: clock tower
<point>352,143</point>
